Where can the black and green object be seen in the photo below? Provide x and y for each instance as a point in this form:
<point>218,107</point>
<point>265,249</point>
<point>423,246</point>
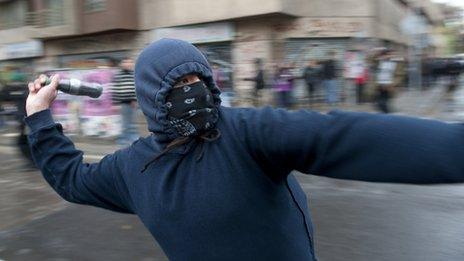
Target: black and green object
<point>77,87</point>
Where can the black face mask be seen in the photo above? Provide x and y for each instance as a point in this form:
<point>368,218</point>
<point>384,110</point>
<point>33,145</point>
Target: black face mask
<point>191,109</point>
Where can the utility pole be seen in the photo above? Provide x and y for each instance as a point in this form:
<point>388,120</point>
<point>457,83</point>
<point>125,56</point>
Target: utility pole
<point>414,26</point>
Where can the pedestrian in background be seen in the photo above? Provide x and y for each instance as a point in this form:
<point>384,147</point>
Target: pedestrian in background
<point>2,110</point>
<point>361,80</point>
<point>329,76</point>
<point>123,94</point>
<point>223,83</point>
<point>258,79</point>
<point>385,81</point>
<point>283,85</point>
<point>311,77</point>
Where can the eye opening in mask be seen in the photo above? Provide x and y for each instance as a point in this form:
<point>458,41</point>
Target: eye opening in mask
<point>187,80</point>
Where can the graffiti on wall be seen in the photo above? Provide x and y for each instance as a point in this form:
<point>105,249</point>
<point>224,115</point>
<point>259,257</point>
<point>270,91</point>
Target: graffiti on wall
<point>87,116</point>
<point>323,27</point>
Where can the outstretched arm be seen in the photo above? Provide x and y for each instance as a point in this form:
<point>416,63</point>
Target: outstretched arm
<point>99,184</point>
<point>357,146</point>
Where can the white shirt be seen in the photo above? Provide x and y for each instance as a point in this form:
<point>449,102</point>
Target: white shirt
<point>386,72</point>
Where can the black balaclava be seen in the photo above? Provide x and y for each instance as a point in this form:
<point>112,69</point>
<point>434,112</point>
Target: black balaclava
<point>191,109</point>
<point>192,112</point>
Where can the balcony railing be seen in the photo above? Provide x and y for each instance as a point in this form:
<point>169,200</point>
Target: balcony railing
<point>10,24</point>
<point>45,18</point>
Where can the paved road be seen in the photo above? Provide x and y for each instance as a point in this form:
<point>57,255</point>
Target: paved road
<point>364,221</point>
<point>35,224</point>
<point>453,108</point>
<point>353,221</point>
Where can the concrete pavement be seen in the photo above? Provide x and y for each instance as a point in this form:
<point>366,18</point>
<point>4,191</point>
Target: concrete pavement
<point>353,220</point>
<point>36,224</point>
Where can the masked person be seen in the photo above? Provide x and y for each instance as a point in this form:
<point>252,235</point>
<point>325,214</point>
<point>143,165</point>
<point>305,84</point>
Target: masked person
<point>215,183</point>
<point>123,94</point>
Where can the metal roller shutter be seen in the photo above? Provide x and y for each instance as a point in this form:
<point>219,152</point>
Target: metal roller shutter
<point>220,54</point>
<point>299,51</point>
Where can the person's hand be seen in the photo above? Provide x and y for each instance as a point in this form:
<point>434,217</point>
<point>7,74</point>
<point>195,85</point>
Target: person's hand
<point>41,97</point>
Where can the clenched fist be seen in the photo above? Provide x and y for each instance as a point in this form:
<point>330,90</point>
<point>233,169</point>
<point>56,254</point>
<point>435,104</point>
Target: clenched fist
<point>41,97</point>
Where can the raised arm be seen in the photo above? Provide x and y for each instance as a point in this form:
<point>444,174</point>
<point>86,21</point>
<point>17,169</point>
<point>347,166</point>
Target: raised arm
<point>99,184</point>
<point>357,146</point>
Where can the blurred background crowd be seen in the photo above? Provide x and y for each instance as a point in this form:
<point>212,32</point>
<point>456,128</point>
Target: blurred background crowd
<point>292,54</point>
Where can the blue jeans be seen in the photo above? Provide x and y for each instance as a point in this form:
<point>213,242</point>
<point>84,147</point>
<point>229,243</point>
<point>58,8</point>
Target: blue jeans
<point>331,89</point>
<point>227,98</point>
<point>284,99</point>
<point>129,130</point>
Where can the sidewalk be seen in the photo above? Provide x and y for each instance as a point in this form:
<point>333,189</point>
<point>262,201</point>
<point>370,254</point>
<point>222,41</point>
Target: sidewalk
<point>8,136</point>
<point>419,102</point>
<point>431,103</point>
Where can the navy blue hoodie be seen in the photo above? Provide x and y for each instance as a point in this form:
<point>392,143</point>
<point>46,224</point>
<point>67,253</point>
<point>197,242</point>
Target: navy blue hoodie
<point>239,201</point>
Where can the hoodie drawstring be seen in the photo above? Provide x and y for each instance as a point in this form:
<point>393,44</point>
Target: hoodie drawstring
<point>208,136</point>
<point>169,147</point>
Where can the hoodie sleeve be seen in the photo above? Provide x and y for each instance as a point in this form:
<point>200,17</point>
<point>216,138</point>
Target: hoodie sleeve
<point>356,146</point>
<point>99,184</point>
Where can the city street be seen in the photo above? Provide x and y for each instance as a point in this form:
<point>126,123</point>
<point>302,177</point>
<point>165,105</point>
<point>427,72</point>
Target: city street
<point>353,220</point>
<point>36,224</point>
<point>111,70</point>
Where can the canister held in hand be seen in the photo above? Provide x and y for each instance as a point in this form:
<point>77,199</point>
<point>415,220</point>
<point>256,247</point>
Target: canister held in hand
<point>77,87</point>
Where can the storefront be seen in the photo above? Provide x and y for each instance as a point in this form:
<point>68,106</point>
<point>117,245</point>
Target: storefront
<point>314,38</point>
<point>300,51</point>
<point>102,50</point>
<point>92,60</point>
<point>214,40</point>
<point>89,59</point>
<point>83,115</point>
<point>17,60</point>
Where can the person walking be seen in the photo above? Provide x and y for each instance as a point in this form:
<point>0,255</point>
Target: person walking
<point>223,83</point>
<point>329,79</point>
<point>283,85</point>
<point>123,94</point>
<point>360,81</point>
<point>311,76</point>
<point>385,81</point>
<point>259,81</point>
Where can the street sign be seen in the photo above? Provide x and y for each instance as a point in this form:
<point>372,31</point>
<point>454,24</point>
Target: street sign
<point>413,24</point>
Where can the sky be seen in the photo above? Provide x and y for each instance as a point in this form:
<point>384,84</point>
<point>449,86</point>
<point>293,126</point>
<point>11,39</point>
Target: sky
<point>452,2</point>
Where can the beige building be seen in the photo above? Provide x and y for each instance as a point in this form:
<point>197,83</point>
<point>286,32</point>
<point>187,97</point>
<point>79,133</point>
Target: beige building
<point>275,30</point>
<point>46,34</point>
<point>232,33</point>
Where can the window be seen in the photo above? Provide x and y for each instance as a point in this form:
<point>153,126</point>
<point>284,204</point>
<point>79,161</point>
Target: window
<point>94,6</point>
<point>12,14</point>
<point>53,14</point>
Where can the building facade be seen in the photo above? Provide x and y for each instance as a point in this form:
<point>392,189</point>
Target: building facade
<point>49,34</point>
<point>232,33</point>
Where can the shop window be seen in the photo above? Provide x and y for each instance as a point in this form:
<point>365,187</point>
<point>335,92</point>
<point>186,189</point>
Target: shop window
<point>94,6</point>
<point>219,56</point>
<point>53,14</point>
<point>12,14</point>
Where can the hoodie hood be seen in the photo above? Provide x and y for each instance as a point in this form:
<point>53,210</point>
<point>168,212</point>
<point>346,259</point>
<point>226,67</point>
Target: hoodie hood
<point>158,67</point>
